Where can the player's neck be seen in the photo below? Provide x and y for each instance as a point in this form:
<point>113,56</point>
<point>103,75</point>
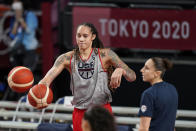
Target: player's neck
<point>84,54</point>
<point>158,80</point>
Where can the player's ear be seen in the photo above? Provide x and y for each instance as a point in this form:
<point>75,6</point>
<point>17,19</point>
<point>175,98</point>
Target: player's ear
<point>158,73</point>
<point>93,37</point>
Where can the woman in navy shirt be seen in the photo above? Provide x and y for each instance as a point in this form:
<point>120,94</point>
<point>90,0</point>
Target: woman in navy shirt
<point>158,105</point>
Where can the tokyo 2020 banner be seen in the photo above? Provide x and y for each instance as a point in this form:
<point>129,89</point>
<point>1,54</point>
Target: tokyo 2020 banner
<point>141,28</point>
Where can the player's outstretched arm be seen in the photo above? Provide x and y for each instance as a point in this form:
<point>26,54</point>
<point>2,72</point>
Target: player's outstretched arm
<point>61,62</point>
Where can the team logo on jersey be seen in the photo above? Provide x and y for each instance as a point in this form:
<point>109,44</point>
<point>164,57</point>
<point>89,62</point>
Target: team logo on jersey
<point>86,70</point>
<point>143,108</point>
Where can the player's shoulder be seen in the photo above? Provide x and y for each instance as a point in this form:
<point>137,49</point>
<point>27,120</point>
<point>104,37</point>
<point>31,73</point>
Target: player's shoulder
<point>69,53</point>
<point>66,56</point>
<point>169,84</point>
<point>104,49</point>
<point>104,52</point>
<point>149,91</point>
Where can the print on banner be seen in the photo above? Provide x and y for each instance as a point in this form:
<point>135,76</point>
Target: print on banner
<point>141,28</point>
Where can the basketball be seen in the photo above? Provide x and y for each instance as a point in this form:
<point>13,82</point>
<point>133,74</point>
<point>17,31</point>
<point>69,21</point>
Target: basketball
<point>40,96</point>
<point>20,79</point>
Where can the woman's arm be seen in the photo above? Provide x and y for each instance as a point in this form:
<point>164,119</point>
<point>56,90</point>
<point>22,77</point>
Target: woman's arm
<point>14,29</point>
<point>23,23</point>
<point>61,62</point>
<point>110,58</point>
<point>144,123</point>
<point>128,73</point>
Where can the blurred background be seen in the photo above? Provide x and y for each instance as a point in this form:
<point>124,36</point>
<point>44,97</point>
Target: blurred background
<point>134,29</point>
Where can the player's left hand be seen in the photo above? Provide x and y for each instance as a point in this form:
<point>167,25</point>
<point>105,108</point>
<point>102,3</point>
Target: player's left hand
<point>116,77</point>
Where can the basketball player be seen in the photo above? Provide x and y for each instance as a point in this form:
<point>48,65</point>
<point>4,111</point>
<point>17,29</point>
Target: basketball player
<point>89,65</point>
<point>159,103</point>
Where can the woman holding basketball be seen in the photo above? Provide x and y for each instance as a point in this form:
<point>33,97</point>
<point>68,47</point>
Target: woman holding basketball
<point>89,65</point>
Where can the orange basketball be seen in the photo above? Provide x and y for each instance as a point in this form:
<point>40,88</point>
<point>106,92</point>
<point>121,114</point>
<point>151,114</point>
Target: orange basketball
<point>40,96</point>
<point>20,79</point>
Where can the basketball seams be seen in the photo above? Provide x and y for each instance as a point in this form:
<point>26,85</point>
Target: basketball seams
<point>40,102</point>
<point>15,70</point>
<point>10,80</point>
<point>46,94</point>
<point>34,97</point>
<point>22,85</point>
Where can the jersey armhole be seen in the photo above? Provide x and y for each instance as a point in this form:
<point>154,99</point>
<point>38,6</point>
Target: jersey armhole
<point>70,64</point>
<point>101,61</point>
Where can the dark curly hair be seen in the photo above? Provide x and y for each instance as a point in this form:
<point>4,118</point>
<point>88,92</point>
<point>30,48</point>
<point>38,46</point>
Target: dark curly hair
<point>100,119</point>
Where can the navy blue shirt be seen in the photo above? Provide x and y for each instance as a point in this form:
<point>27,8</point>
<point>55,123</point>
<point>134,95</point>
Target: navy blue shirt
<point>160,102</point>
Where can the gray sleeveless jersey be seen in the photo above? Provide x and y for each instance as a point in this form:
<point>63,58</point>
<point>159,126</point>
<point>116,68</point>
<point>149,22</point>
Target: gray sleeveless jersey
<point>89,82</point>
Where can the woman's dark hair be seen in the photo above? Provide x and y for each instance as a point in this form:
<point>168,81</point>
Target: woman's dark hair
<point>97,43</point>
<point>100,119</point>
<point>162,64</point>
